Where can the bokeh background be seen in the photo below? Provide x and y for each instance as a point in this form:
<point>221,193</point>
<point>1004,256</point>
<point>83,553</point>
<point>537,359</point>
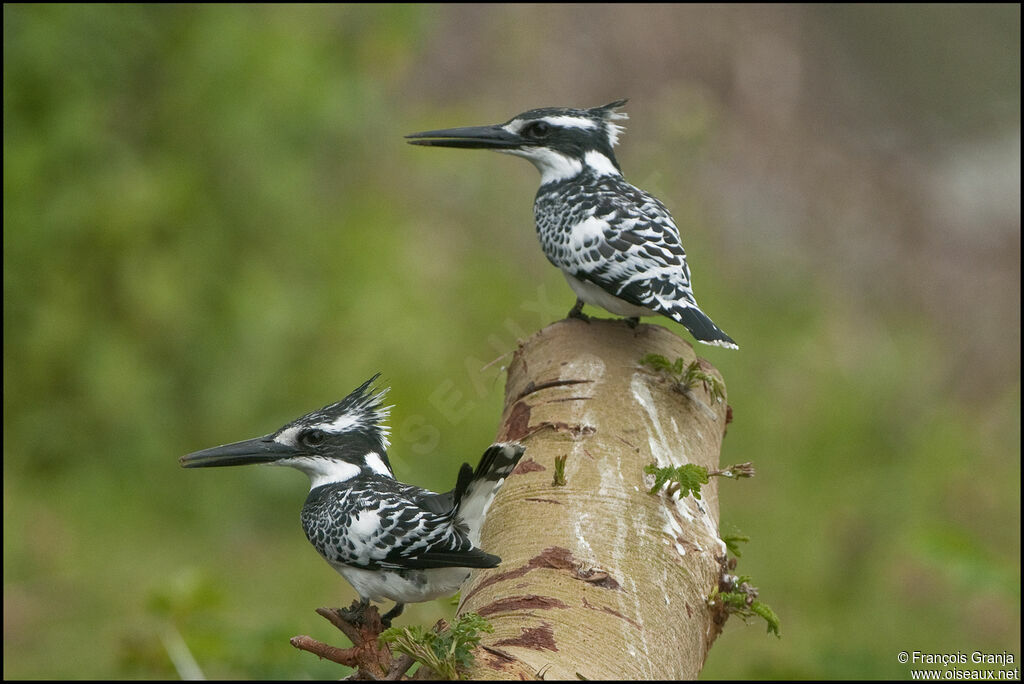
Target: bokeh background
<point>212,225</point>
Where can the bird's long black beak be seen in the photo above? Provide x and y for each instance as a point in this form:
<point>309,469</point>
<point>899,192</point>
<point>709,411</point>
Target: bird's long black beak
<point>471,137</point>
<point>259,450</point>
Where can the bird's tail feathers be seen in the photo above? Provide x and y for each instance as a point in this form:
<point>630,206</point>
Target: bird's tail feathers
<point>475,490</point>
<point>701,326</point>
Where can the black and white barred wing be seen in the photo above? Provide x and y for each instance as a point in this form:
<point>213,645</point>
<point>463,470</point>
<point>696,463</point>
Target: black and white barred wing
<point>625,242</point>
<point>467,506</point>
<point>440,540</point>
<point>394,526</point>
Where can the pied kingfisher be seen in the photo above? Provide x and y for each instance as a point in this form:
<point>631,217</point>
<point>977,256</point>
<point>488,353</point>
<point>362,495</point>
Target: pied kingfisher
<point>616,245</point>
<point>388,539</point>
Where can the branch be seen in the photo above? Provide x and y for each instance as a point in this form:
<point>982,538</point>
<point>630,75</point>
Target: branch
<point>600,579</point>
<point>371,659</point>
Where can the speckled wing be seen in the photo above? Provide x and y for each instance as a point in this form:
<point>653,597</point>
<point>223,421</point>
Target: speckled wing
<point>623,240</point>
<point>387,525</point>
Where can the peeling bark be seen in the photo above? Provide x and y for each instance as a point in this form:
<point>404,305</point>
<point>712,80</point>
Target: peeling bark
<point>599,578</point>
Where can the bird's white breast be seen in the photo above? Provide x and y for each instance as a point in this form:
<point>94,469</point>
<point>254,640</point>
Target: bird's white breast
<point>594,295</point>
<point>408,586</point>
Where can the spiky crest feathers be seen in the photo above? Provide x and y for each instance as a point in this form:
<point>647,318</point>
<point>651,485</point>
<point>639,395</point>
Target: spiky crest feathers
<point>361,411</point>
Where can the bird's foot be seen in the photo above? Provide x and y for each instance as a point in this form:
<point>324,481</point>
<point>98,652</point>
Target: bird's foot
<point>392,614</point>
<point>356,613</point>
<point>577,311</point>
<point>362,625</point>
<point>360,622</point>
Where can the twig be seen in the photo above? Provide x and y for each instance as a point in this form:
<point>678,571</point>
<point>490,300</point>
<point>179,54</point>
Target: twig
<point>342,656</point>
<point>371,658</point>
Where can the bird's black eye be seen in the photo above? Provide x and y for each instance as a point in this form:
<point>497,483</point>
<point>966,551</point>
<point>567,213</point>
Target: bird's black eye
<point>539,129</point>
<point>313,438</point>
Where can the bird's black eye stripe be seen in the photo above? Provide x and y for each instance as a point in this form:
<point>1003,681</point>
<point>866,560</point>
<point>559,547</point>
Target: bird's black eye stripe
<point>313,437</point>
<point>537,129</point>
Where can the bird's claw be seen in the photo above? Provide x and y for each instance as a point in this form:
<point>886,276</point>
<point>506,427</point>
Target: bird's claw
<point>577,312</point>
<point>356,613</point>
<point>392,614</point>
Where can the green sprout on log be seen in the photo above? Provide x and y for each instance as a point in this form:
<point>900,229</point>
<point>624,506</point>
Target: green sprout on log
<point>736,596</point>
<point>733,541</point>
<point>447,650</point>
<point>559,477</point>
<point>685,376</point>
<point>687,479</point>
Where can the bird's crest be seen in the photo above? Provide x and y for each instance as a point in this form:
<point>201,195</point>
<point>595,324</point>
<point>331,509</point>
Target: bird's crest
<point>608,115</point>
<point>360,412</point>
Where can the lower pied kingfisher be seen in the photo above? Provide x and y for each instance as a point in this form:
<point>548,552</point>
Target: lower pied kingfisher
<point>616,245</point>
<point>388,539</point>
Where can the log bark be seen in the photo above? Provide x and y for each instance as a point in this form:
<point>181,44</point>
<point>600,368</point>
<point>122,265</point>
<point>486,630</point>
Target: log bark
<point>600,579</point>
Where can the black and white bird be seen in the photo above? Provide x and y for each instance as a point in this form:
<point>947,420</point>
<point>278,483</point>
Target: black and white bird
<point>388,539</point>
<point>616,245</point>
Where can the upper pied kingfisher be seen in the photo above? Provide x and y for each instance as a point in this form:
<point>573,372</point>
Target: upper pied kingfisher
<point>388,539</point>
<point>616,245</point>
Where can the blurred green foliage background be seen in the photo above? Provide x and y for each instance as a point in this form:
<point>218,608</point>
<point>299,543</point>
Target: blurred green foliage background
<point>212,225</point>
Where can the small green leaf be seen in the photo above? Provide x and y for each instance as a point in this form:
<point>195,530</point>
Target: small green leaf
<point>686,375</point>
<point>445,651</point>
<point>559,478</point>
<point>732,543</point>
<point>686,479</point>
<point>741,600</point>
<point>769,616</point>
